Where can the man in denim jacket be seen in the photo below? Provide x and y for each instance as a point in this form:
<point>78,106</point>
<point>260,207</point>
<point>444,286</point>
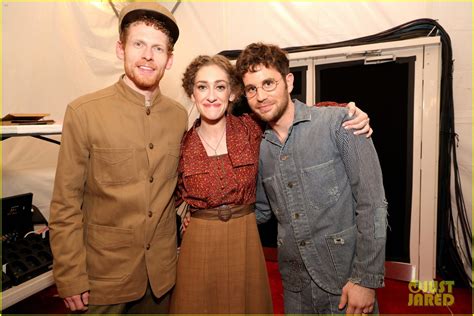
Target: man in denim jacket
<point>324,185</point>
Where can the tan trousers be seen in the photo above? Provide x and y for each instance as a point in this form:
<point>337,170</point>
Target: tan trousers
<point>148,304</point>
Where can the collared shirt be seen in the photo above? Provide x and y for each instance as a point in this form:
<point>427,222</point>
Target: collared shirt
<point>325,187</point>
<point>207,182</point>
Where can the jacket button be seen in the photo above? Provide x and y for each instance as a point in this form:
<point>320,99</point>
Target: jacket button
<point>150,214</point>
<point>297,215</point>
<point>151,179</point>
<point>303,243</point>
<point>150,145</point>
<point>148,247</point>
<point>290,184</point>
<point>148,111</point>
<point>284,157</point>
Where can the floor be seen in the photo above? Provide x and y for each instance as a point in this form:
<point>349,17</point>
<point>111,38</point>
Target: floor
<point>394,298</point>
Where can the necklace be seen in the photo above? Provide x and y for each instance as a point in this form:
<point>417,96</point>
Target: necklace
<point>219,177</point>
<point>218,143</point>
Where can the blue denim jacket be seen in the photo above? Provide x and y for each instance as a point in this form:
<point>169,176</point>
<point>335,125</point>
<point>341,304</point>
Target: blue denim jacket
<point>324,185</point>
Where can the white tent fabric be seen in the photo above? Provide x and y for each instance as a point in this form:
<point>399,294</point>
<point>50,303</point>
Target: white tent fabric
<point>54,52</point>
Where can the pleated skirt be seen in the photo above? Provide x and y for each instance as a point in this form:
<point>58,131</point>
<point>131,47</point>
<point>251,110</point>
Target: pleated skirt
<point>221,269</point>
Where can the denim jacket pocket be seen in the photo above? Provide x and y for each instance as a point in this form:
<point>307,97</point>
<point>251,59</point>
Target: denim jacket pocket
<point>293,275</point>
<point>292,270</point>
<point>320,185</point>
<point>341,248</point>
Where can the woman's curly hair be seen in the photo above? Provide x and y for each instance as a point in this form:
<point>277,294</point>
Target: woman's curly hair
<point>220,61</point>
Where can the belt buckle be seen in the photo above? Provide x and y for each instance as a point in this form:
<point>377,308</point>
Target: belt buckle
<point>224,213</point>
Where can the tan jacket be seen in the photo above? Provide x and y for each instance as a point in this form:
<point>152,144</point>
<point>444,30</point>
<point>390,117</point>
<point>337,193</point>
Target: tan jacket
<point>113,220</point>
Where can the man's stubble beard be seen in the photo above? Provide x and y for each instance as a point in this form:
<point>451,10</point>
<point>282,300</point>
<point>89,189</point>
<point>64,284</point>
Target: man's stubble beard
<point>281,108</point>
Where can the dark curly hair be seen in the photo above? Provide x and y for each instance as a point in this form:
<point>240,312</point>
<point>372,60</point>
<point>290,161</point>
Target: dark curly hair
<point>220,61</point>
<point>268,55</point>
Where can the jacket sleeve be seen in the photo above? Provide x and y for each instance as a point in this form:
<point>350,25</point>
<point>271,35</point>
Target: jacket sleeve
<point>66,217</point>
<point>365,176</point>
<point>263,211</point>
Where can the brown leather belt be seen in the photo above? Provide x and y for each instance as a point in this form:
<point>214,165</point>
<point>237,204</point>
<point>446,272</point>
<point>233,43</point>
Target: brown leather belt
<point>223,213</point>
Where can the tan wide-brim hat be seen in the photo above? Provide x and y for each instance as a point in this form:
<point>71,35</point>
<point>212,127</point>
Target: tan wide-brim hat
<point>152,9</point>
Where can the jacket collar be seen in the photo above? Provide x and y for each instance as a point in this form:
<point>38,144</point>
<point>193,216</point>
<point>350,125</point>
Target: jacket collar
<point>302,114</point>
<point>239,143</point>
<point>195,159</point>
<point>134,96</point>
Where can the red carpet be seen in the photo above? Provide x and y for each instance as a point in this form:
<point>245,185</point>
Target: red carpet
<point>275,285</point>
<point>393,299</point>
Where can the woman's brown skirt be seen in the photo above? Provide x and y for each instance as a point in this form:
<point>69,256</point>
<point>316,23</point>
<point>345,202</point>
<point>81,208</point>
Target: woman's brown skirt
<point>221,269</point>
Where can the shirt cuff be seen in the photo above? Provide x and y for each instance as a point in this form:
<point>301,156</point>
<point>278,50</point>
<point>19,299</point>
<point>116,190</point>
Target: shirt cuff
<point>372,281</point>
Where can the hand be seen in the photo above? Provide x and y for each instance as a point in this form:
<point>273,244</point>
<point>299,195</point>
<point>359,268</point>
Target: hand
<point>186,220</point>
<point>77,302</point>
<point>360,122</point>
<point>358,299</point>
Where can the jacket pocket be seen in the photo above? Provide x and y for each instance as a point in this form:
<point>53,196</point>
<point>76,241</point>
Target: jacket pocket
<point>113,165</point>
<point>320,185</point>
<point>293,272</point>
<point>293,275</point>
<point>109,250</point>
<point>341,248</point>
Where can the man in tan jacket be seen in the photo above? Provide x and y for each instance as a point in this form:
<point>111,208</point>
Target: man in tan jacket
<point>113,219</point>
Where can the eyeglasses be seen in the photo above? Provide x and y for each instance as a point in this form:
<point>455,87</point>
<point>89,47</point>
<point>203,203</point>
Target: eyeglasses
<point>268,85</point>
